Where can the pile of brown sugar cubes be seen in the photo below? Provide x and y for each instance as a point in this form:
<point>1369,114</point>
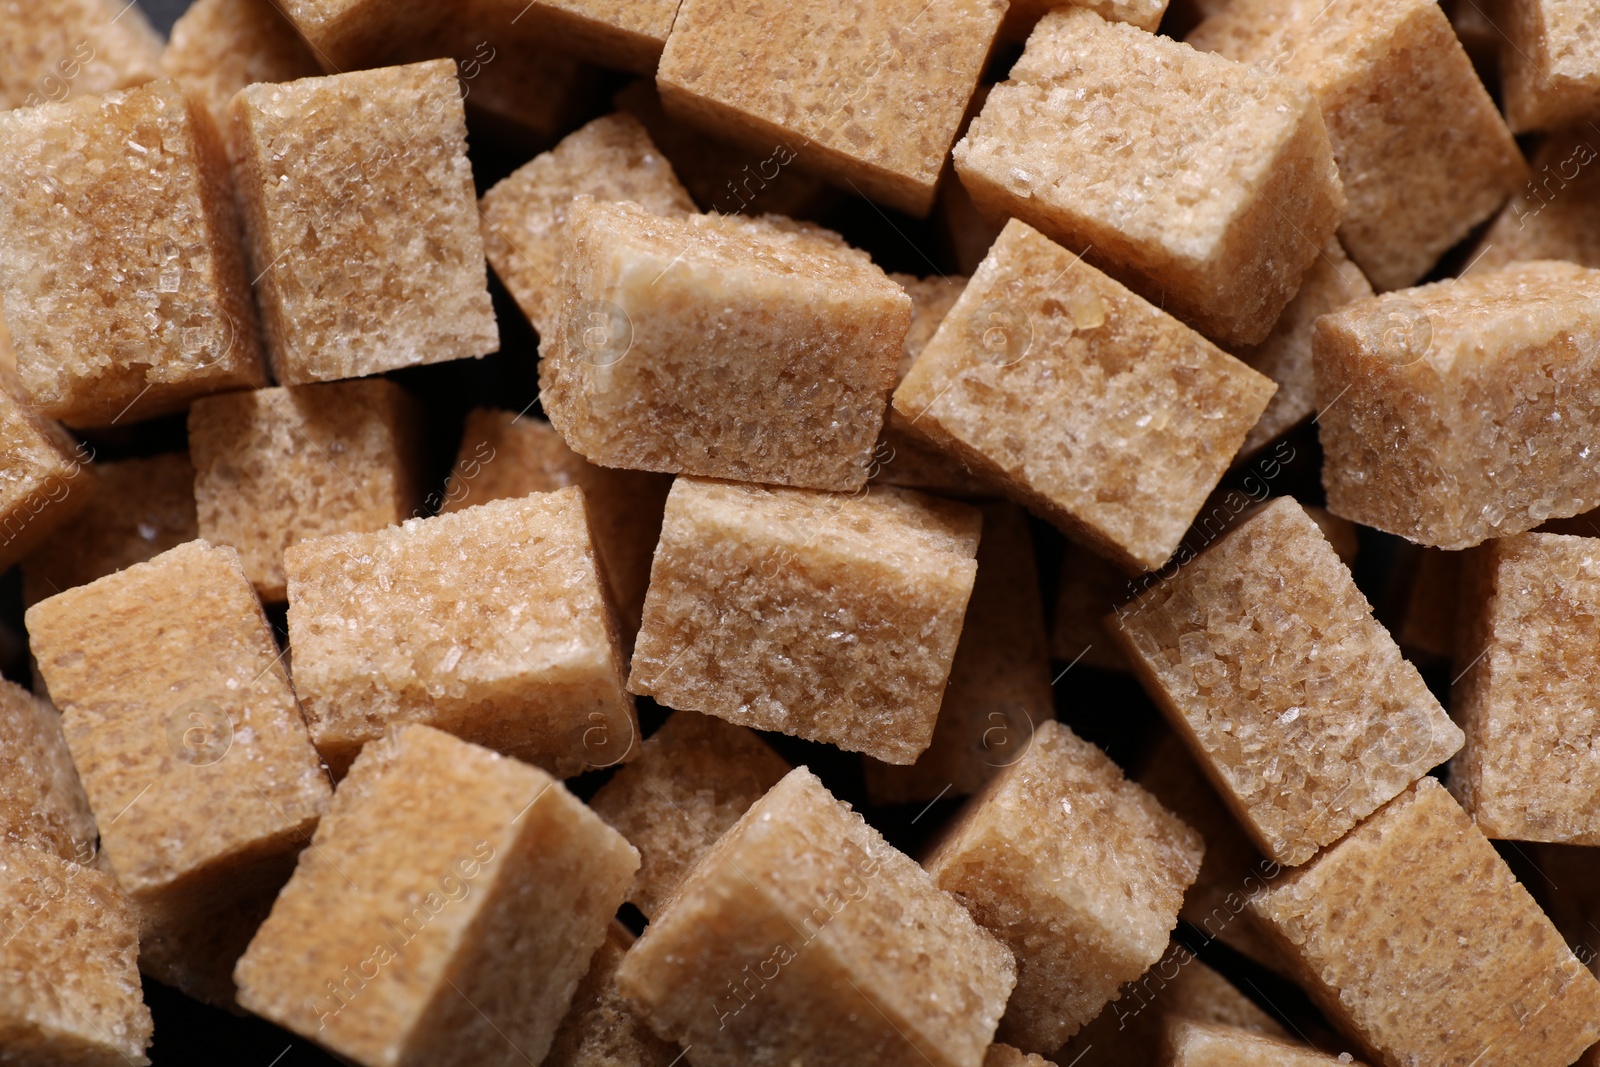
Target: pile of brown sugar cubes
<point>828,538</point>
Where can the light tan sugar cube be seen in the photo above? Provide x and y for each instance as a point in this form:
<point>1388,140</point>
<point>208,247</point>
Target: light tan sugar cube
<point>825,616</point>
<point>1549,64</point>
<point>53,49</point>
<point>220,46</point>
<point>1005,1056</point>
<point>120,269</point>
<point>1079,871</point>
<point>1049,378</point>
<point>42,804</point>
<point>70,955</point>
<point>999,688</point>
<point>693,779</point>
<point>362,222</point>
<point>865,95</point>
<point>1414,936</point>
<point>1285,356</point>
<point>276,466</point>
<point>490,623</point>
<point>1294,700</point>
<point>351,34</point>
<point>521,87</point>
<point>1463,410</point>
<point>601,1029</point>
<point>625,34</point>
<point>1090,587</point>
<point>136,510</point>
<point>1556,213</point>
<point>1023,15</point>
<point>191,748</point>
<point>47,479</point>
<point>1207,190</point>
<point>753,349</point>
<point>1198,1044</point>
<point>1526,697</point>
<point>804,940</point>
<point>445,912</point>
<point>525,214</point>
<point>1422,151</point>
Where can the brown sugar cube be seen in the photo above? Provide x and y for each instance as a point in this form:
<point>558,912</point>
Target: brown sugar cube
<point>1199,1044</point>
<point>48,479</point>
<point>362,222</point>
<point>445,912</point>
<point>41,800</point>
<point>351,34</point>
<point>999,688</point>
<point>490,623</point>
<point>120,269</point>
<point>1526,699</point>
<point>1414,936</point>
<point>1208,189</point>
<point>70,953</point>
<point>1023,15</point>
<point>805,939</point>
<point>601,1029</point>
<point>525,214</point>
<point>53,49</point>
<point>1048,378</point>
<point>1549,64</point>
<point>1090,587</point>
<point>137,510</point>
<point>1438,416</point>
<point>753,349</point>
<point>1078,870</point>
<point>191,748</point>
<point>1294,700</point>
<point>693,779</point>
<point>1285,356</point>
<point>522,88</point>
<point>627,34</point>
<point>1556,214</point>
<point>1005,1056</point>
<point>220,46</point>
<point>1422,150</point>
<point>876,116</point>
<point>825,616</point>
<point>276,466</point>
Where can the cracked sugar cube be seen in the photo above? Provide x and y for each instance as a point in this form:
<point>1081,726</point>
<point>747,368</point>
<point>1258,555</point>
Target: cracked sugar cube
<point>753,349</point>
<point>693,779</point>
<point>826,616</point>
<point>138,509</point>
<point>1415,938</point>
<point>489,623</point>
<point>191,748</point>
<point>276,466</point>
<point>1526,697</point>
<point>121,274</point>
<point>1294,700</point>
<point>1078,870</point>
<point>1048,378</point>
<point>525,213</point>
<point>70,954</point>
<point>53,49</point>
<point>1556,214</point>
<point>1464,409</point>
<point>361,222</point>
<point>601,1029</point>
<point>1204,185</point>
<point>218,47</point>
<point>1549,64</point>
<point>999,687</point>
<point>1421,148</point>
<point>872,102</point>
<point>622,34</point>
<point>42,804</point>
<point>446,910</point>
<point>48,479</point>
<point>804,939</point>
<point>1200,1044</point>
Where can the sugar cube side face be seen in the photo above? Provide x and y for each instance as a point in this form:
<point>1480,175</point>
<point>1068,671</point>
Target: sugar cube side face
<point>218,47</point>
<point>1555,214</point>
<point>42,804</point>
<point>621,34</point>
<point>1199,1044</point>
<point>602,1028</point>
<point>1551,69</point>
<point>53,49</point>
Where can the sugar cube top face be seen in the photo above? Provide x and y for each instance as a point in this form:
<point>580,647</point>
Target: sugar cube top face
<point>362,222</point>
<point>1197,1044</point>
<point>53,49</point>
<point>45,476</point>
<point>1415,937</point>
<point>805,939</point>
<point>1079,871</point>
<point>626,34</point>
<point>525,214</point>
<point>1527,699</point>
<point>1550,65</point>
<point>1463,410</point>
<point>752,349</point>
<point>829,617</point>
<point>1556,214</point>
<point>41,800</point>
<point>1083,400</point>
<point>276,466</point>
<point>1295,701</point>
<point>220,46</point>
<point>120,269</point>
<point>446,909</point>
<point>876,116</point>
<point>70,955</point>
<point>1422,150</point>
<point>389,627</point>
<point>1208,191</point>
<point>351,34</point>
